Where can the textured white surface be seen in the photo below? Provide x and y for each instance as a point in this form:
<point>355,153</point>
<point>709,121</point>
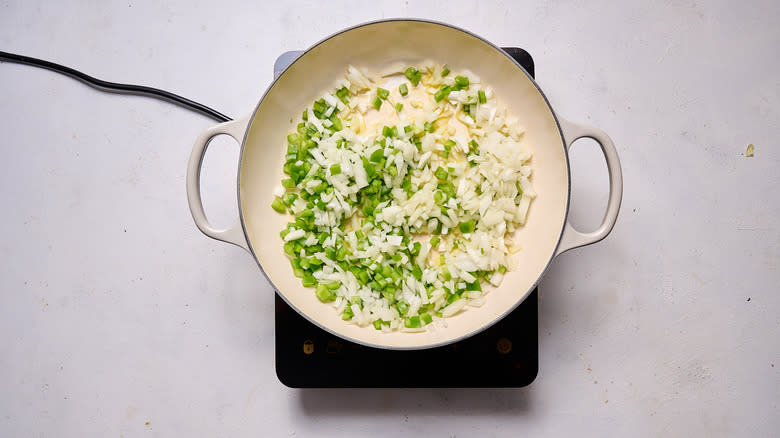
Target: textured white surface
<point>118,318</point>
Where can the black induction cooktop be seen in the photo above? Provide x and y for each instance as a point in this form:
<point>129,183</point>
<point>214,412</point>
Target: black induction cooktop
<point>504,355</point>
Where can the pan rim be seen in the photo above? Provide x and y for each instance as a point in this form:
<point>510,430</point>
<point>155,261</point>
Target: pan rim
<point>485,326</point>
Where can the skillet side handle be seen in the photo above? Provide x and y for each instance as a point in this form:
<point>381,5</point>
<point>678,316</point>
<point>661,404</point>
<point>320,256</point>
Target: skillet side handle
<point>572,238</point>
<point>235,233</point>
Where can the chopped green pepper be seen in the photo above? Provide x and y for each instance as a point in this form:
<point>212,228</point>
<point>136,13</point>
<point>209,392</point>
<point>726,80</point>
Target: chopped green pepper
<point>417,272</point>
<point>377,156</point>
<point>309,281</point>
<point>324,294</point>
<point>467,227</point>
<point>474,286</point>
<point>412,322</point>
<point>343,95</point>
<point>336,123</point>
<point>443,92</point>
<point>278,205</point>
<point>413,75</point>
<point>461,81</point>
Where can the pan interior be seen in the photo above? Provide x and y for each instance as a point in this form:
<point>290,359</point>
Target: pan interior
<point>378,46</point>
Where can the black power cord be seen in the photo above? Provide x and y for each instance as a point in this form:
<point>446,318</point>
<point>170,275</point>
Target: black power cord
<point>113,87</point>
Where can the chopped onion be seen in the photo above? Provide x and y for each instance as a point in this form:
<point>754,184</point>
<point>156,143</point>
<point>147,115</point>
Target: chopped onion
<point>403,212</point>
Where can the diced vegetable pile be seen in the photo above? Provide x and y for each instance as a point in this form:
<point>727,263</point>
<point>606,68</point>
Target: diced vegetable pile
<point>404,191</point>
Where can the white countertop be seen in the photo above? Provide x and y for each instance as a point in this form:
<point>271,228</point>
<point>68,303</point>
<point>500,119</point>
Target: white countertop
<point>119,318</point>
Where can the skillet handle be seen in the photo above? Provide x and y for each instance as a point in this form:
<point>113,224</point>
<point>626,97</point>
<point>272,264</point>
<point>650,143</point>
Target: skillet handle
<point>235,233</point>
<point>572,238</point>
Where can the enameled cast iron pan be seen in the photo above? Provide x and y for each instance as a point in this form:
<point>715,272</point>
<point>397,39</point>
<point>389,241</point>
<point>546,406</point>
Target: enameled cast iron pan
<point>376,46</point>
